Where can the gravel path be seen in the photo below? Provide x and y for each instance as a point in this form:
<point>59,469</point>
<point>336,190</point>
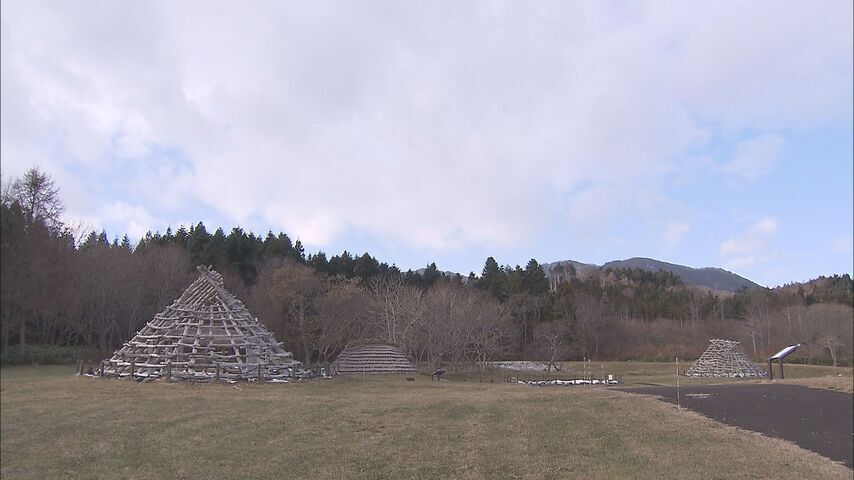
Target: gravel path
<point>817,420</point>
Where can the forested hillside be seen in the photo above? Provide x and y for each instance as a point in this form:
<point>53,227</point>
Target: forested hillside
<point>95,292</point>
<point>714,278</point>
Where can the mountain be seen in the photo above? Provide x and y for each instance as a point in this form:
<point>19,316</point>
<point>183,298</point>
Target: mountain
<point>709,277</point>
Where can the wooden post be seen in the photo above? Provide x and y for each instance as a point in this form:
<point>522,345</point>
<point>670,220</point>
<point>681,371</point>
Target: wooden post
<point>217,372</point>
<point>260,377</point>
<point>781,369</point>
<point>132,368</point>
<point>168,370</point>
<point>101,372</point>
<point>293,372</point>
<point>770,369</point>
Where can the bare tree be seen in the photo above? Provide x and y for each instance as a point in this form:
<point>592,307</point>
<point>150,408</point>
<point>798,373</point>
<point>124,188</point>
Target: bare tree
<point>341,315</point>
<point>554,334</point>
<point>487,332</point>
<point>461,325</point>
<point>5,191</point>
<point>757,319</point>
<point>591,314</point>
<point>832,329</point>
<point>293,290</point>
<point>442,335</point>
<point>398,309</point>
<point>37,195</point>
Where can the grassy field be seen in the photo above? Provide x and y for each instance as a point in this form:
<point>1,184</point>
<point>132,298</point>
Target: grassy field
<point>660,374</point>
<point>55,425</point>
<point>841,382</point>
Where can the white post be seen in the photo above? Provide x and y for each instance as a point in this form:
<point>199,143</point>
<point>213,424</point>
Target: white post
<point>677,383</point>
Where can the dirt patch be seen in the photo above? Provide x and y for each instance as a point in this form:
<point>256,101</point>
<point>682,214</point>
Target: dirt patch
<point>817,420</point>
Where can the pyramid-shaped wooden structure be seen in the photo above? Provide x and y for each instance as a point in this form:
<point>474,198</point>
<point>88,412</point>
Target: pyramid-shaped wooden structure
<point>724,358</point>
<point>373,358</point>
<point>206,333</point>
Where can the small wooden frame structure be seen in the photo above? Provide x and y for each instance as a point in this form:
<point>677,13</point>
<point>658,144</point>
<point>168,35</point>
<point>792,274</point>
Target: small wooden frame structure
<point>723,358</point>
<point>373,358</point>
<point>779,356</point>
<point>206,334</point>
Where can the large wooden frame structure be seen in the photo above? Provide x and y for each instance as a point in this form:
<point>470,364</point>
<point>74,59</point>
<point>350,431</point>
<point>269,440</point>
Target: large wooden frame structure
<point>723,358</point>
<point>206,334</point>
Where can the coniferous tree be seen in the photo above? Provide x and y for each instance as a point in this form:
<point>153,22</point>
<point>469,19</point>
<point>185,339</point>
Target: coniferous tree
<point>285,244</point>
<point>299,252</point>
<point>126,243</point>
<point>215,250</point>
<point>431,275</point>
<point>365,267</point>
<point>182,237</point>
<point>271,246</point>
<point>493,279</point>
<point>535,278</point>
<point>319,262</point>
<point>197,244</point>
<point>90,241</point>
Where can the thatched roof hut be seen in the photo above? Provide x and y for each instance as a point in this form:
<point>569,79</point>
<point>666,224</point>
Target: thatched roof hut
<point>379,357</point>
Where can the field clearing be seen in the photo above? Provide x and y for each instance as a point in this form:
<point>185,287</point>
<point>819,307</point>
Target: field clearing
<point>53,424</point>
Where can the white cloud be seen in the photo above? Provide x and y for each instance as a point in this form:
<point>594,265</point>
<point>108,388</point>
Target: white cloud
<point>843,245</point>
<point>137,218</point>
<point>755,157</point>
<point>437,126</point>
<point>675,232</point>
<point>752,247</point>
<point>765,227</point>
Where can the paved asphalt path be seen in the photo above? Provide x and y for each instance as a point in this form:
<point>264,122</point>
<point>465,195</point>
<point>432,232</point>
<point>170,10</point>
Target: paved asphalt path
<point>817,420</point>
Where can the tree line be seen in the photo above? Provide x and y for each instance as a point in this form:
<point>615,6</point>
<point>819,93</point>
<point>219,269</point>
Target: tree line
<point>64,289</point>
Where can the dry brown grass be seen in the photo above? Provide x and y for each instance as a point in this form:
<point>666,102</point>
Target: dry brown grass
<point>55,425</point>
<point>814,376</point>
<point>840,383</point>
<point>664,373</point>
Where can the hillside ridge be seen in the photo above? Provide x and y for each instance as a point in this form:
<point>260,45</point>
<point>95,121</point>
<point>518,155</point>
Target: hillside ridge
<point>715,278</point>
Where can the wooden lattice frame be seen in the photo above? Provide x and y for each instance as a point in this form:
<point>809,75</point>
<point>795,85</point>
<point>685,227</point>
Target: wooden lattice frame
<point>206,333</point>
<point>723,358</point>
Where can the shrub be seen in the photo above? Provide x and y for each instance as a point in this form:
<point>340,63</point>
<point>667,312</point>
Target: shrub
<point>45,355</point>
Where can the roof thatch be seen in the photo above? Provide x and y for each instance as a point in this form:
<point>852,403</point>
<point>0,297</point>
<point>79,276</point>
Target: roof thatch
<point>373,358</point>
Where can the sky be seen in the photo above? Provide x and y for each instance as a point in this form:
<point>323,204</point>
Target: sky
<point>699,133</point>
